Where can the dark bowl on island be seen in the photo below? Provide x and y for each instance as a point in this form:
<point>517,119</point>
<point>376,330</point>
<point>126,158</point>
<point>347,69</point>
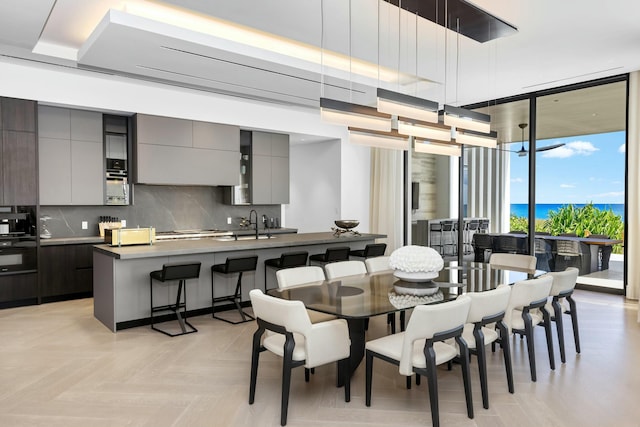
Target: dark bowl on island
<point>347,223</point>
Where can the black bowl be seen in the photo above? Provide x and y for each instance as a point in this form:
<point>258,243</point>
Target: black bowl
<point>347,223</point>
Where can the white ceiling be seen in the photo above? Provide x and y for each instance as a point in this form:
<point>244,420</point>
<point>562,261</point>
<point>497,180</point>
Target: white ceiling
<point>557,43</point>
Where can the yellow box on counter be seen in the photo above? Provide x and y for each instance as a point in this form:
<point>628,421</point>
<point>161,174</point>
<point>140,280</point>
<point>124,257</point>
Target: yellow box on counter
<point>130,236</point>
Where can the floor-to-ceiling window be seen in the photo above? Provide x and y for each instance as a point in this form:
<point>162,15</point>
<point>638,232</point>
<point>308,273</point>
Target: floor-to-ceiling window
<point>578,136</point>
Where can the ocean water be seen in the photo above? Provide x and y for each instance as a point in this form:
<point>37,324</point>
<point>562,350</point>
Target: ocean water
<point>542,210</point>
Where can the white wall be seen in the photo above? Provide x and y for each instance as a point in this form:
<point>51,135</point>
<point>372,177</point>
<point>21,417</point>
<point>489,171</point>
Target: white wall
<point>91,90</point>
<point>315,186</point>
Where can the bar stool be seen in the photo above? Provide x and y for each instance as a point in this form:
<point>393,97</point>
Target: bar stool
<point>449,239</point>
<point>435,236</point>
<point>338,253</point>
<point>471,228</point>
<point>371,250</point>
<point>171,272</point>
<point>231,266</point>
<point>286,260</point>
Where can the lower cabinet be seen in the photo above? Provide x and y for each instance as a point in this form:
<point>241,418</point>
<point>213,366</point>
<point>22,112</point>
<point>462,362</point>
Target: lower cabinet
<point>66,272</point>
<point>18,289</point>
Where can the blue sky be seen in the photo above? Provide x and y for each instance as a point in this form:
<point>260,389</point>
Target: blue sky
<point>589,168</point>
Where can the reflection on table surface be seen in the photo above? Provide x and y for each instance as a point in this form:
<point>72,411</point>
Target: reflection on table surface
<point>367,295</point>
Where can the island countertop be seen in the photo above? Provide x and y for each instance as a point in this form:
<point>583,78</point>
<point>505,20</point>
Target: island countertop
<point>212,245</point>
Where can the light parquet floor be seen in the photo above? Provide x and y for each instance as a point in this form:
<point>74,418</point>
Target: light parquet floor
<point>61,367</point>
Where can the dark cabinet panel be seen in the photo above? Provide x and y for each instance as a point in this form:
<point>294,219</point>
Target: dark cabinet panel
<point>18,115</point>
<point>17,288</point>
<point>19,168</point>
<point>66,270</point>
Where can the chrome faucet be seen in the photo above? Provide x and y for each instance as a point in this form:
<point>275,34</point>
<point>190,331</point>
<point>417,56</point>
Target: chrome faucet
<point>254,222</point>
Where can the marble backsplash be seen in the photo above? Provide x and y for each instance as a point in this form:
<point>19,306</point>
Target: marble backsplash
<point>163,207</point>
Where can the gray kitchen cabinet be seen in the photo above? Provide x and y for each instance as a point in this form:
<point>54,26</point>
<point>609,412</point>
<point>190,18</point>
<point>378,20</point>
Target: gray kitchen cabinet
<point>71,157</point>
<point>203,153</point>
<point>270,168</point>
<point>164,131</point>
<point>18,182</point>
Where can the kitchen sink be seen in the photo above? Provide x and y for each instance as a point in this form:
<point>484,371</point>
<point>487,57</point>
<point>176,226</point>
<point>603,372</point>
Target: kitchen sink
<point>232,239</point>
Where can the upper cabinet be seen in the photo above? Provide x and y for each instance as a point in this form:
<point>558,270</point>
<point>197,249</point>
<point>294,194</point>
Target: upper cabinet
<point>184,152</point>
<point>71,156</point>
<point>270,168</point>
<point>18,162</point>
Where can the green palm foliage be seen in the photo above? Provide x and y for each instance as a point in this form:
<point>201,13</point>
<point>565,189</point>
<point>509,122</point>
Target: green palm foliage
<point>582,221</point>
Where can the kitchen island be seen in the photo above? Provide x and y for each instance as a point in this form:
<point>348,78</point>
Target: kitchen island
<point>121,274</point>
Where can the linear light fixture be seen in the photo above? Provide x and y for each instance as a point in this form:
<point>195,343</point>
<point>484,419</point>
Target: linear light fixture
<point>469,137</point>
<point>461,118</point>
<point>424,130</point>
<point>430,147</point>
<point>390,140</point>
<point>354,115</point>
<point>399,104</point>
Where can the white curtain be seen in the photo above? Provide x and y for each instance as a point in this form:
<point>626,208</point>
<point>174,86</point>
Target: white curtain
<point>632,239</point>
<point>387,209</point>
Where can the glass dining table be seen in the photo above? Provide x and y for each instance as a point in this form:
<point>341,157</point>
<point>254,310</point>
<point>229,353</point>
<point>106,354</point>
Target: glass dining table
<point>358,298</point>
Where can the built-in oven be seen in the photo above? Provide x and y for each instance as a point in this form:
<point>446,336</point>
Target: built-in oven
<point>18,251</point>
<point>116,139</point>
<point>117,188</point>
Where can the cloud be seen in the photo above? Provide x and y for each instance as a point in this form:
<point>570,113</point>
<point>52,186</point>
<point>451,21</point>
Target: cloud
<point>609,194</point>
<point>567,186</point>
<point>517,180</point>
<point>576,148</point>
<point>622,148</point>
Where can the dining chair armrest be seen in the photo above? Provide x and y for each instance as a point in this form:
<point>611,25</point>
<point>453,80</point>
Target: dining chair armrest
<point>328,342</point>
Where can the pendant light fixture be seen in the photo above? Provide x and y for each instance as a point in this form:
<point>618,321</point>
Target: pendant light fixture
<point>411,127</point>
<point>390,140</point>
<point>469,137</point>
<point>461,118</point>
<point>430,147</point>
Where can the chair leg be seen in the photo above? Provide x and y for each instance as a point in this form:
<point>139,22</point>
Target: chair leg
<point>403,317</point>
<point>287,365</point>
<point>347,379</point>
<point>255,355</point>
<point>506,352</point>
<point>528,331</point>
<point>368,377</point>
<point>409,383</point>
<point>432,380</point>
<point>482,366</point>
<point>306,375</point>
<point>466,375</point>
<point>557,313</point>
<point>549,334</point>
<point>574,322</point>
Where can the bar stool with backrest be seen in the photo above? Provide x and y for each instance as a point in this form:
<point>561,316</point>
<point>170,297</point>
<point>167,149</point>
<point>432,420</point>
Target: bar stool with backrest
<point>435,236</point>
<point>371,250</point>
<point>172,272</point>
<point>233,265</point>
<point>286,260</point>
<point>333,254</point>
<point>449,239</point>
<point>564,283</point>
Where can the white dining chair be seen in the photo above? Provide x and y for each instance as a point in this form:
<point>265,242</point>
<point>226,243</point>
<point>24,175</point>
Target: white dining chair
<point>295,276</point>
<point>519,261</point>
<point>525,310</point>
<point>377,264</point>
<point>423,346</point>
<point>298,341</point>
<point>564,283</point>
<point>487,309</point>
<point>336,270</point>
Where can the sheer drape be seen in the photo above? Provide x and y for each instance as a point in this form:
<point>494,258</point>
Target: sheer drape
<point>386,209</point>
<point>632,240</point>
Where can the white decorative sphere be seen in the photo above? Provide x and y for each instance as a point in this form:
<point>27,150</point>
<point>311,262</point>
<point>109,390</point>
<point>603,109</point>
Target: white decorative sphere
<point>412,259</point>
